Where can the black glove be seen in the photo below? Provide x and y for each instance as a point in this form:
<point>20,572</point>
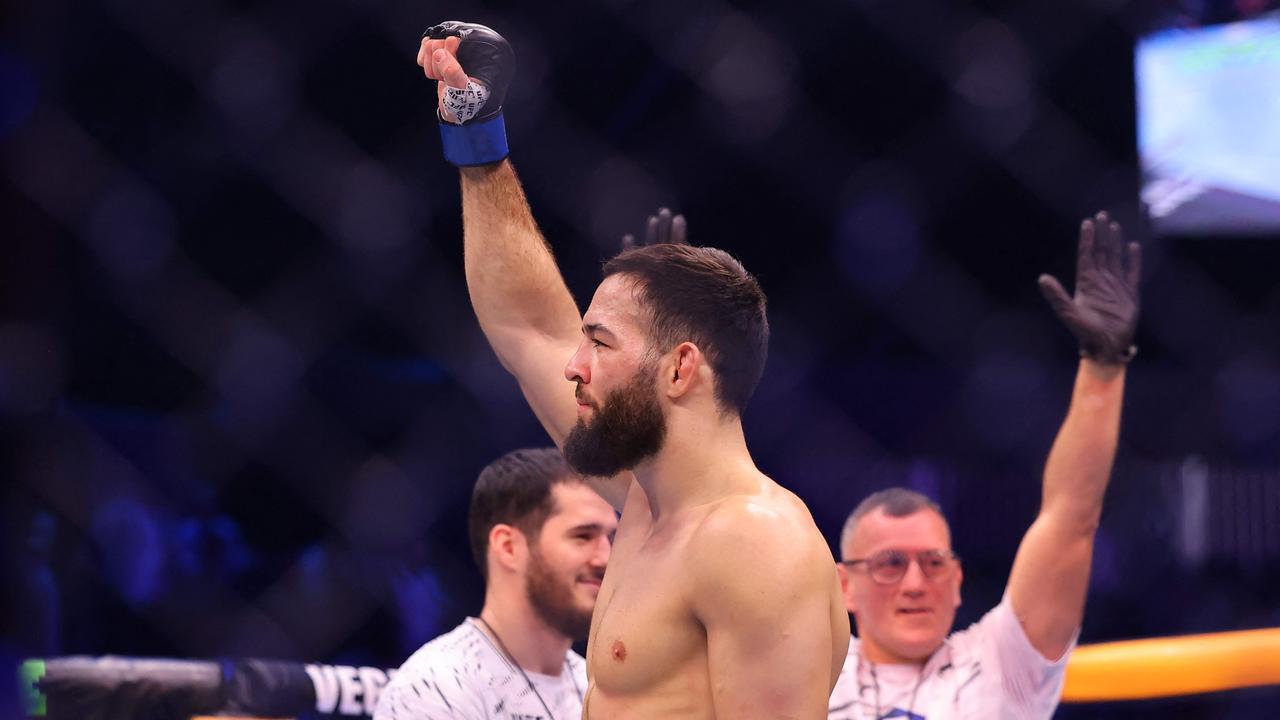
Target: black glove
<point>663,228</point>
<point>485,55</point>
<point>480,136</point>
<point>1103,315</point>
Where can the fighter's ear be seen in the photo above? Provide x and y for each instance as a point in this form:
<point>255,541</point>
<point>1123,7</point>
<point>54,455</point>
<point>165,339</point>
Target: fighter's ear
<point>681,369</point>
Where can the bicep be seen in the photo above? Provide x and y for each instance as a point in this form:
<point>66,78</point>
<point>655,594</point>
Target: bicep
<point>769,638</point>
<point>780,667</point>
<point>1048,584</point>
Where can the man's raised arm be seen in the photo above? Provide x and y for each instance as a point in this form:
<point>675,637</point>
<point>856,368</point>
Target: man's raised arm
<point>519,297</point>
<point>1050,574</point>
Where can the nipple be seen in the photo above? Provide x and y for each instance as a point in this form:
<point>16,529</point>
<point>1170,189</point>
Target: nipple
<point>618,650</point>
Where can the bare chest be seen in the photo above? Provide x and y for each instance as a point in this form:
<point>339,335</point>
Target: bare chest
<point>644,636</point>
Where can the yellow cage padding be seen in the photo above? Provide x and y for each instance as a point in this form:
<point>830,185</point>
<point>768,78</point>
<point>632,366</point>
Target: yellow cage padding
<point>1168,666</point>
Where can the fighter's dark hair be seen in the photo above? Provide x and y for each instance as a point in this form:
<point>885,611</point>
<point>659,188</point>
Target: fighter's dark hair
<point>704,296</point>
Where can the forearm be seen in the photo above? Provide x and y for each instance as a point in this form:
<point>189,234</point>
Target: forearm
<point>511,275</point>
<point>1079,465</point>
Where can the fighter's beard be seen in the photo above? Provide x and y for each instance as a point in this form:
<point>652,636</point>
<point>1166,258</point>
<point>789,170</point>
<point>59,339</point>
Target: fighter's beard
<point>628,428</point>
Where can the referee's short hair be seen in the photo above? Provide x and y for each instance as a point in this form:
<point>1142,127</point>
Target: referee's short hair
<point>896,501</point>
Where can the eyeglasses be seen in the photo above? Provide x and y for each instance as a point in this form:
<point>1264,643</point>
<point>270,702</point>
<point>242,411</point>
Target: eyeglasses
<point>889,566</point>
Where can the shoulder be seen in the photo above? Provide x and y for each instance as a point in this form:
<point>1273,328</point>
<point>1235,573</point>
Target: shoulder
<point>771,525</point>
<point>447,674</point>
<point>459,652</point>
<point>1021,676</point>
<point>998,634</point>
<point>744,539</point>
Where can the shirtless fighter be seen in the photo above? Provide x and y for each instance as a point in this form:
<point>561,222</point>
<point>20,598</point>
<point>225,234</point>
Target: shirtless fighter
<point>721,599</point>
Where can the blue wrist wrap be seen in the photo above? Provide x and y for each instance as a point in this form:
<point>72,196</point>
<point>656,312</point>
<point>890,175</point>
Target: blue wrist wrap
<point>477,143</point>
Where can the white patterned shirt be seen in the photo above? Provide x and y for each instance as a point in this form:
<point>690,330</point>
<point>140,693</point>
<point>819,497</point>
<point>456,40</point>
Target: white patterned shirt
<point>989,670</point>
<point>462,675</point>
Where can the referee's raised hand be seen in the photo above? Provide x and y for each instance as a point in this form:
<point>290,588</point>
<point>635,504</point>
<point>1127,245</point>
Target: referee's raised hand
<point>1103,313</point>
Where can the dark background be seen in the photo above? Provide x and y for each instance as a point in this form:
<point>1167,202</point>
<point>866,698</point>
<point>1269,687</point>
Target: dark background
<point>244,397</point>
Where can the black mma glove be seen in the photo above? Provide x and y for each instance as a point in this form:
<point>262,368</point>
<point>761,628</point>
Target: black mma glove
<point>480,136</point>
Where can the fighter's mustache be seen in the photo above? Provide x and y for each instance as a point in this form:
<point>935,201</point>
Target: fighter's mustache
<point>582,398</point>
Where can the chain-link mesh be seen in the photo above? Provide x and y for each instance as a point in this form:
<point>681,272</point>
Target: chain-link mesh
<point>246,396</point>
